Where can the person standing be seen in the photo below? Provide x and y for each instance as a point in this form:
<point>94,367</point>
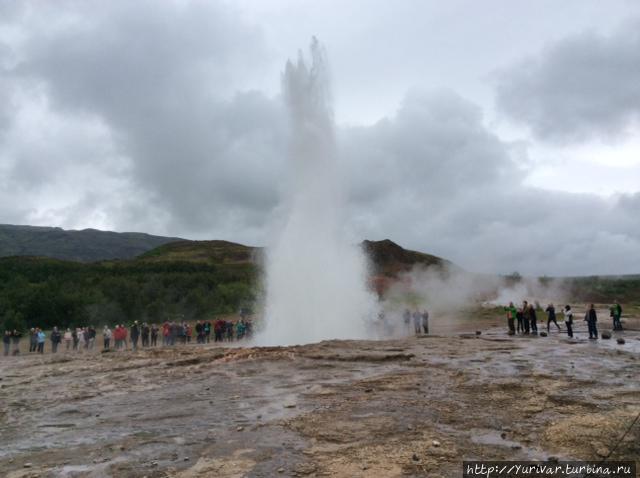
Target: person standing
<point>145,334</point>
<point>425,321</point>
<point>15,340</point>
<point>240,329</point>
<point>217,330</point>
<point>83,337</point>
<point>56,338</point>
<point>135,335</point>
<point>6,342</point>
<point>41,337</point>
<point>568,320</point>
<point>551,317</point>
<point>533,318</point>
<point>511,315</point>
<point>591,319</point>
<point>406,317</point>
<point>76,338</point>
<point>33,340</point>
<point>526,317</point>
<point>520,321</point>
<point>68,337</point>
<point>617,315</point>
<point>93,334</point>
<point>416,322</point>
<point>165,333</point>
<point>199,332</point>
<point>207,331</point>
<point>231,328</point>
<point>154,335</point>
<point>173,332</point>
<point>106,337</point>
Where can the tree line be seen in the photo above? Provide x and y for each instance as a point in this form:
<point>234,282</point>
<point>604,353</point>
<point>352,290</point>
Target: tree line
<point>48,292</point>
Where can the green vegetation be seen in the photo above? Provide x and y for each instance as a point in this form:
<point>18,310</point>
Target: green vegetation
<point>47,292</point>
<point>213,252</point>
<point>194,280</point>
<point>88,245</point>
<point>605,289</point>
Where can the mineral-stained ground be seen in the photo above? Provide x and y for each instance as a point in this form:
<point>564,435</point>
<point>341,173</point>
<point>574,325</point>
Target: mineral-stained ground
<point>409,407</point>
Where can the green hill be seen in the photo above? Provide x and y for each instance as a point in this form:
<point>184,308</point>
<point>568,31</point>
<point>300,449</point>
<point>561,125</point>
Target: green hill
<point>190,279</point>
<point>388,258</point>
<point>87,245</point>
<point>212,252</point>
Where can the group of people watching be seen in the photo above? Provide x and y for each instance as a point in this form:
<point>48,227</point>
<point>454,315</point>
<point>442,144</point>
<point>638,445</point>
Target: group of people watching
<point>524,320</point>
<point>420,320</point>
<point>121,337</point>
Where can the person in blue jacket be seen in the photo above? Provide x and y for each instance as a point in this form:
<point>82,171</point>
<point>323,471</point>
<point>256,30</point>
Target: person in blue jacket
<point>41,337</point>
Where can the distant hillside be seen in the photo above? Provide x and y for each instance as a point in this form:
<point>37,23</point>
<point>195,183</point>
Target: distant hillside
<point>213,252</point>
<point>87,245</point>
<point>388,258</point>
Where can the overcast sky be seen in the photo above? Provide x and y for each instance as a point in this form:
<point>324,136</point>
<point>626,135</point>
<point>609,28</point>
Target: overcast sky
<point>503,135</point>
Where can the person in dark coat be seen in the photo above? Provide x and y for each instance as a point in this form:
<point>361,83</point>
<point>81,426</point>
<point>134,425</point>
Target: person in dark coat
<point>15,340</point>
<point>154,335</point>
<point>591,318</point>
<point>56,338</point>
<point>145,334</point>
<point>199,332</point>
<point>533,319</point>
<point>6,342</point>
<point>135,335</point>
<point>425,321</point>
<point>33,340</point>
<point>520,321</point>
<point>551,317</point>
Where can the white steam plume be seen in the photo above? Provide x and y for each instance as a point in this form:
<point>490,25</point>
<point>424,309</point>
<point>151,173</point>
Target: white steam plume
<point>315,277</point>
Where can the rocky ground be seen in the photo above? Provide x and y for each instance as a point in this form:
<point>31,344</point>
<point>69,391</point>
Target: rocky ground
<point>408,407</point>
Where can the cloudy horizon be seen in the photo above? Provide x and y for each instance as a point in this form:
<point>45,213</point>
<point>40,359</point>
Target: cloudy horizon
<point>502,136</point>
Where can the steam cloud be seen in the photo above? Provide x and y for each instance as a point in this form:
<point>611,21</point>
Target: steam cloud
<point>315,277</point>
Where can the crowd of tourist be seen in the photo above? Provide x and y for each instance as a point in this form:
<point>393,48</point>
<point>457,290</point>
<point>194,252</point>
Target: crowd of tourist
<point>524,320</point>
<point>136,335</point>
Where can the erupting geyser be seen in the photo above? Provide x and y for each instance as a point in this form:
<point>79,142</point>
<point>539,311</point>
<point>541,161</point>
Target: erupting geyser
<point>315,277</point>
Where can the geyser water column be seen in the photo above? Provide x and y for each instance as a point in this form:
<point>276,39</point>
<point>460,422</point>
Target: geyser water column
<point>316,278</point>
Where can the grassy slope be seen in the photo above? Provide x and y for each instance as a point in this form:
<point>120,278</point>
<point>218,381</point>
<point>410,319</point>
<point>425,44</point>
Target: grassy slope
<point>213,252</point>
<point>196,277</point>
<point>88,245</point>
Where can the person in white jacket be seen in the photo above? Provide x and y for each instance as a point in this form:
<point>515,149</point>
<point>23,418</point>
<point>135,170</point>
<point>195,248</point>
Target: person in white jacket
<point>568,320</point>
<point>106,335</point>
<point>68,337</point>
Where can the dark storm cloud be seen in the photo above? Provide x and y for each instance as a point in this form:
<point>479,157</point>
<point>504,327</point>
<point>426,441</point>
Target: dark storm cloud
<point>582,87</point>
<point>142,116</point>
<point>160,76</point>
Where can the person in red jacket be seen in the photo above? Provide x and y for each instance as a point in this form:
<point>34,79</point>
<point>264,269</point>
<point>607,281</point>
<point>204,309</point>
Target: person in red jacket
<point>166,329</point>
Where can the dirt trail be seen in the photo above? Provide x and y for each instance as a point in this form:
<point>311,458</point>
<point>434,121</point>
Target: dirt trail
<point>410,407</point>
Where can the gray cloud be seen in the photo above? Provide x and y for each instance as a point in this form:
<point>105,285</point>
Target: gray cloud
<point>163,80</point>
<point>582,87</point>
<point>139,116</point>
<point>435,178</point>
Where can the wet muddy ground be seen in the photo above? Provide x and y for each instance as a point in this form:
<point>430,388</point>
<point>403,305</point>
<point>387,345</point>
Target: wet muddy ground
<point>408,407</point>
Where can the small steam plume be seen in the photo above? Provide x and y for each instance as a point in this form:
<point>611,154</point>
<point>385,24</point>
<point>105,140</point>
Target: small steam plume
<point>451,295</point>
